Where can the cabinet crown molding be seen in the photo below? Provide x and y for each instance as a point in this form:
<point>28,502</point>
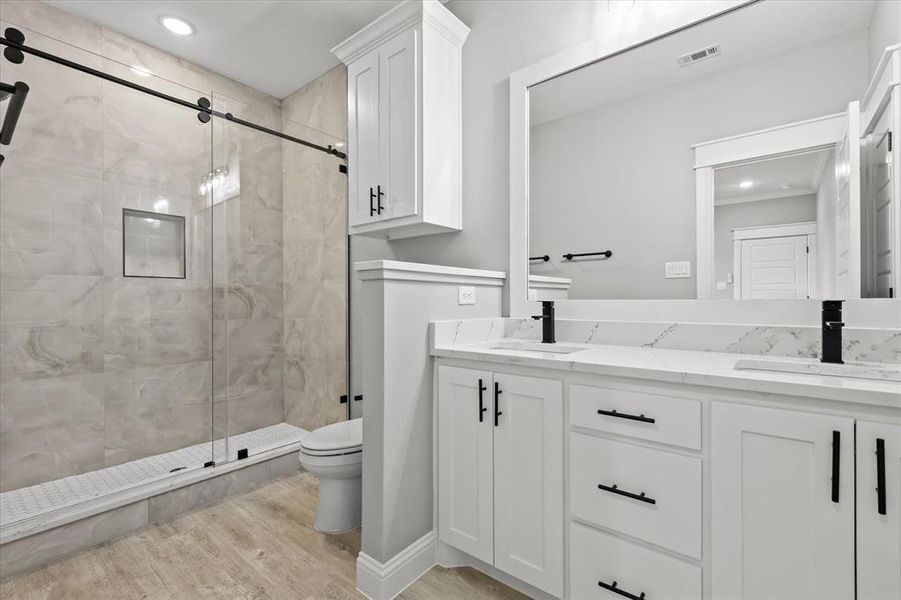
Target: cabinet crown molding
<point>403,16</point>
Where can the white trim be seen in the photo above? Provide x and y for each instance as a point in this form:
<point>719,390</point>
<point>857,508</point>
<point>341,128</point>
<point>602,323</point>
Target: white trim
<point>546,282</point>
<point>883,81</point>
<point>790,137</point>
<point>771,231</point>
<point>646,23</point>
<point>383,581</point>
<point>783,140</point>
<point>730,200</point>
<point>407,271</point>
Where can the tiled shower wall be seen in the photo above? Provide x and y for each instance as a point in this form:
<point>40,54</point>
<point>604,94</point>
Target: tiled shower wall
<point>315,204</point>
<point>96,369</point>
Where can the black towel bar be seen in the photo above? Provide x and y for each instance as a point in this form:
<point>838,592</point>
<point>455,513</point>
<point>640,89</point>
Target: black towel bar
<point>606,253</point>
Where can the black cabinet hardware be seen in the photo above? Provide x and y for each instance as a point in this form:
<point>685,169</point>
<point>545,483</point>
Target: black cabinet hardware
<point>497,393</point>
<point>243,453</point>
<point>482,408</point>
<point>613,489</point>
<point>836,462</point>
<point>880,476</point>
<point>371,202</point>
<point>619,415</point>
<point>543,258</point>
<point>605,253</point>
<point>612,587</point>
<point>17,93</point>
<point>379,203</point>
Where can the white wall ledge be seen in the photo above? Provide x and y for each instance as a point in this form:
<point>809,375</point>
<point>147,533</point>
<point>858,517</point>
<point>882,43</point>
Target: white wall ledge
<point>407,271</point>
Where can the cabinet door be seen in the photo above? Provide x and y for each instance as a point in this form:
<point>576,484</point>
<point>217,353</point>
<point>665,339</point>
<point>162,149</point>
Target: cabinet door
<point>398,128</point>
<point>363,137</point>
<point>465,461</point>
<point>780,528</point>
<point>528,480</point>
<point>878,511</point>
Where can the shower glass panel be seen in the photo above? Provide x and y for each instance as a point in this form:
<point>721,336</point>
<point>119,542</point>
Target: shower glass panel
<point>248,268</point>
<point>105,380</point>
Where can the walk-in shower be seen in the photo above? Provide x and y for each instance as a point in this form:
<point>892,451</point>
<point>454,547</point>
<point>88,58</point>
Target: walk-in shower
<point>156,315</point>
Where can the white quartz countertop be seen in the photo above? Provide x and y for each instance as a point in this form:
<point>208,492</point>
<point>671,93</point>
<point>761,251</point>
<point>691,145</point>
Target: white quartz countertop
<point>690,367</point>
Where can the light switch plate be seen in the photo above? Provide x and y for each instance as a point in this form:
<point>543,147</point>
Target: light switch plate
<point>466,295</point>
<point>678,270</point>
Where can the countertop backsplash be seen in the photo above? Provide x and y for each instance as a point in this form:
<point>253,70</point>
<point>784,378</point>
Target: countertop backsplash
<point>867,345</point>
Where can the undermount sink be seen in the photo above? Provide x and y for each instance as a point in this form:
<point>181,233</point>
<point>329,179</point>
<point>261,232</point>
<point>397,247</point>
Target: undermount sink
<point>534,347</point>
<point>851,369</point>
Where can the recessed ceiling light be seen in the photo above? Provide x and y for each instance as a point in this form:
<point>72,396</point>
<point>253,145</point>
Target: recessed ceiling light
<point>176,25</point>
<point>139,70</point>
<point>746,184</point>
<point>620,7</point>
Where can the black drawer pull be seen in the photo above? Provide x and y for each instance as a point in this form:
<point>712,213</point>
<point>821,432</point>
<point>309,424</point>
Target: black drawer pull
<point>880,476</point>
<point>836,464</point>
<point>497,393</point>
<point>615,490</point>
<point>380,194</point>
<point>371,202</point>
<point>612,587</point>
<point>619,415</point>
<point>482,408</point>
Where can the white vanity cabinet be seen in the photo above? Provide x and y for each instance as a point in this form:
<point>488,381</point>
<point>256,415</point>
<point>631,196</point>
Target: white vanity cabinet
<point>500,471</point>
<point>782,507</point>
<point>404,122</point>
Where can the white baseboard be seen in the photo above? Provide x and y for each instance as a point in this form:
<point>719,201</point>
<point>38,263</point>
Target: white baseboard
<point>383,581</point>
<point>450,557</point>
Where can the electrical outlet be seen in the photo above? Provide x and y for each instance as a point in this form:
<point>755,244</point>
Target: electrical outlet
<point>678,270</point>
<point>466,295</point>
<point>720,285</point>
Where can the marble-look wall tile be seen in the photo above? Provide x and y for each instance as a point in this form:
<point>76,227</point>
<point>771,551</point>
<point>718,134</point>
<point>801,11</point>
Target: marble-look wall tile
<point>147,343</point>
<point>318,104</point>
<point>30,351</point>
<point>51,22</point>
<point>50,428</point>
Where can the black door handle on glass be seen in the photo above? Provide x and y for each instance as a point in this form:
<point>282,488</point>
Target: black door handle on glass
<point>497,393</point>
<point>380,194</point>
<point>836,462</point>
<point>613,489</point>
<point>371,202</point>
<point>619,415</point>
<point>612,587</point>
<point>880,476</point>
<point>482,408</point>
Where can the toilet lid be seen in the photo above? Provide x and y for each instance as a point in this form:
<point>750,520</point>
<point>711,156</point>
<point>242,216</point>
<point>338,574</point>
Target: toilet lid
<point>337,436</point>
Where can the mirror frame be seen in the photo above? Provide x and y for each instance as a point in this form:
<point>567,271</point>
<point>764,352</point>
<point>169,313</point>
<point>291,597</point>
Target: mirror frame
<point>640,26</point>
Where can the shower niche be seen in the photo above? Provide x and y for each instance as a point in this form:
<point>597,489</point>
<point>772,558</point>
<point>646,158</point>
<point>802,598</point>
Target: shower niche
<point>153,245</point>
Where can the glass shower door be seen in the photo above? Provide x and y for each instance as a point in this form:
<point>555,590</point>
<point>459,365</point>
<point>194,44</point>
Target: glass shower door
<point>105,283</point>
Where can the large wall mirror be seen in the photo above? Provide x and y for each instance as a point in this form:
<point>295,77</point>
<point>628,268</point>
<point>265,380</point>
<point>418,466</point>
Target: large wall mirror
<point>748,156</point>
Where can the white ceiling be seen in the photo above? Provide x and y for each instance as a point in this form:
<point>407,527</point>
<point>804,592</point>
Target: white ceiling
<point>801,172</point>
<point>751,33</point>
<point>276,46</point>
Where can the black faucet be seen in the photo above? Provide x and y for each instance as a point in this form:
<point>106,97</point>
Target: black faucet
<point>832,332</point>
<point>547,322</point>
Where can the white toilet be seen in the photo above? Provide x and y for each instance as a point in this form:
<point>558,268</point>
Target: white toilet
<point>335,454</point>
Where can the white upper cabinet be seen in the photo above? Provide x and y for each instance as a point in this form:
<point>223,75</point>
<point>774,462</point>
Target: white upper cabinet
<point>404,122</point>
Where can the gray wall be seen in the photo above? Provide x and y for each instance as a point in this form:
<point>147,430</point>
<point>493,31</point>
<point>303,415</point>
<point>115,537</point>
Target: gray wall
<point>620,176</point>
<point>795,209</point>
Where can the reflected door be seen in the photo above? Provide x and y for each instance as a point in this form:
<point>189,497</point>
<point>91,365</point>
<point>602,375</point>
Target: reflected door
<point>775,268</point>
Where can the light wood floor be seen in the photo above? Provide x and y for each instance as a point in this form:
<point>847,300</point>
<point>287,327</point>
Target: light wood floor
<point>260,545</point>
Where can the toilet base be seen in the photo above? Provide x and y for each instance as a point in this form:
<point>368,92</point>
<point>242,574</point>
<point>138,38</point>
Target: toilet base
<point>340,506</point>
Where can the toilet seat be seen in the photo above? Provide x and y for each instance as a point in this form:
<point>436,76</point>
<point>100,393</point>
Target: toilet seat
<point>345,437</point>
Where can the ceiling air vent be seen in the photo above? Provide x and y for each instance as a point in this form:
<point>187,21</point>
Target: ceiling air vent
<point>693,57</point>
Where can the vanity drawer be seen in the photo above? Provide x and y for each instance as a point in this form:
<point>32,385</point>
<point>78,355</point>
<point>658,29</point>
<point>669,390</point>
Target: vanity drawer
<point>669,513</point>
<point>596,557</point>
<point>655,417</point>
